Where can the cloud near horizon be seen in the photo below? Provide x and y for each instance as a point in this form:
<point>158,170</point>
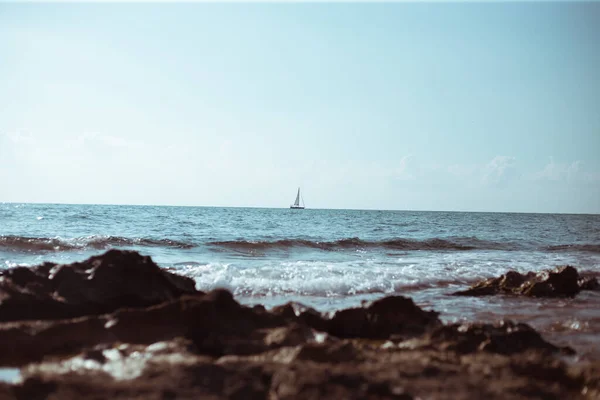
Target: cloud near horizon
<point>573,171</point>
<point>142,173</point>
<point>499,170</point>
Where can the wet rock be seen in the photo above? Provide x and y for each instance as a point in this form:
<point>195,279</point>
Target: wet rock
<point>98,285</point>
<point>28,303</point>
<point>290,335</point>
<point>294,311</point>
<point>321,383</point>
<point>394,315</point>
<point>561,282</point>
<point>215,322</point>
<point>270,357</point>
<point>161,339</point>
<point>338,352</point>
<point>170,370</point>
<point>505,338</point>
<point>588,283</point>
<point>134,372</point>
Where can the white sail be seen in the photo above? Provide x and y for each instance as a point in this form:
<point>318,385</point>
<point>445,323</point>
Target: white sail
<point>297,202</point>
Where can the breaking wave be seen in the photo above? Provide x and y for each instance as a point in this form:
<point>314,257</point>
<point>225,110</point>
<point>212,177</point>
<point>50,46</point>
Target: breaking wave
<point>40,244</point>
<point>356,243</point>
<point>319,278</point>
<point>55,244</point>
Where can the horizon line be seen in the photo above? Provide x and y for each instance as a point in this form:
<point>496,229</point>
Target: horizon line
<point>306,209</point>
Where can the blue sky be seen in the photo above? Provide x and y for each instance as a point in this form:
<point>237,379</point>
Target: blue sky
<point>466,106</point>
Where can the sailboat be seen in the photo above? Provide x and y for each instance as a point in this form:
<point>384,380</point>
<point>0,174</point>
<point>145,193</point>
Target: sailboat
<point>296,204</point>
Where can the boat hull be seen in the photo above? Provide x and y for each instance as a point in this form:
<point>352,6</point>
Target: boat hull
<point>297,207</point>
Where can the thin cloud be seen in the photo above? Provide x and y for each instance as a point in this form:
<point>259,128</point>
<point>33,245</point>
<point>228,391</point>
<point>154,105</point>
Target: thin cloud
<point>402,171</point>
<point>554,171</point>
<point>498,170</point>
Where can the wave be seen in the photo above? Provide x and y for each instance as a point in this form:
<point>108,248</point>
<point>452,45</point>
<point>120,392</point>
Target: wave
<point>357,244</point>
<point>448,244</point>
<point>41,244</point>
<point>592,248</point>
<point>55,244</point>
<point>321,278</point>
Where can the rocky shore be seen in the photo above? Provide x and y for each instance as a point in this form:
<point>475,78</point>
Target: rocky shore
<point>118,326</point>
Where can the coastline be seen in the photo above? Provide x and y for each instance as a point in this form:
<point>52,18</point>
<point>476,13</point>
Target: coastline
<point>119,326</point>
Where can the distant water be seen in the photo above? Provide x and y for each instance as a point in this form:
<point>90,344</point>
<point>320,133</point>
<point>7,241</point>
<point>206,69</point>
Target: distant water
<point>329,259</point>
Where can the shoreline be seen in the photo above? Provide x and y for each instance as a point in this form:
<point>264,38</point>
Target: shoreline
<point>117,325</point>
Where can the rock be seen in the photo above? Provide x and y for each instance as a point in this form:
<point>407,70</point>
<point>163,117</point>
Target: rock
<point>294,311</point>
<point>176,350</point>
<point>168,370</point>
<point>98,285</point>
<point>28,341</point>
<point>338,352</point>
<point>561,282</point>
<point>164,370</point>
<point>28,303</point>
<point>161,339</point>
<point>394,315</point>
<point>214,322</point>
<point>326,383</point>
<point>588,283</point>
<point>290,335</point>
<point>505,338</point>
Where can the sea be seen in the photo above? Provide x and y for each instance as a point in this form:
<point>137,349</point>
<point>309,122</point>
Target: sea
<point>333,259</point>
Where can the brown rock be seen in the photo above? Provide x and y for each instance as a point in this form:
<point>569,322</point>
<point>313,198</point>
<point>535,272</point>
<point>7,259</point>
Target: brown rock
<point>215,322</point>
<point>193,345</point>
<point>294,311</point>
<point>394,315</point>
<point>325,383</point>
<point>98,285</point>
<point>560,282</point>
<point>588,283</point>
<point>504,338</point>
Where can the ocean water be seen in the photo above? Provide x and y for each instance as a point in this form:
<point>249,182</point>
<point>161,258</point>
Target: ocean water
<point>332,259</point>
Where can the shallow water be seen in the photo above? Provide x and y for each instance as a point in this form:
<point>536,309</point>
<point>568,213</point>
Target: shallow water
<point>10,375</point>
<point>332,259</point>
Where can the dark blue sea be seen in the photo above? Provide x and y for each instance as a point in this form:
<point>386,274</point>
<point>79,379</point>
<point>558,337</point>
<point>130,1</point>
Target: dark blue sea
<point>331,259</point>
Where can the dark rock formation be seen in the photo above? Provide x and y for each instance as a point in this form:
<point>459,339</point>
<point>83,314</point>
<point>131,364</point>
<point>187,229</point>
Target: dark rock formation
<point>588,283</point>
<point>293,311</point>
<point>100,284</point>
<point>143,333</point>
<point>505,338</point>
<point>394,315</point>
<point>173,369</point>
<point>215,323</point>
<point>561,282</point>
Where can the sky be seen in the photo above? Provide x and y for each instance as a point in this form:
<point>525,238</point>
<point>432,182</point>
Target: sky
<point>409,106</point>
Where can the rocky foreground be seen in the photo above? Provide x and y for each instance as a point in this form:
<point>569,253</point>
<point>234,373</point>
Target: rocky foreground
<point>118,326</point>
<point>561,282</point>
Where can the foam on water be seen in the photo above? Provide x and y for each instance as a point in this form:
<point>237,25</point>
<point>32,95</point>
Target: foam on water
<point>330,259</point>
<point>315,253</point>
<point>368,275</point>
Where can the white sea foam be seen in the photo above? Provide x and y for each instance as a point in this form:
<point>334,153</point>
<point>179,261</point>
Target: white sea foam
<point>311,278</point>
<point>359,276</point>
